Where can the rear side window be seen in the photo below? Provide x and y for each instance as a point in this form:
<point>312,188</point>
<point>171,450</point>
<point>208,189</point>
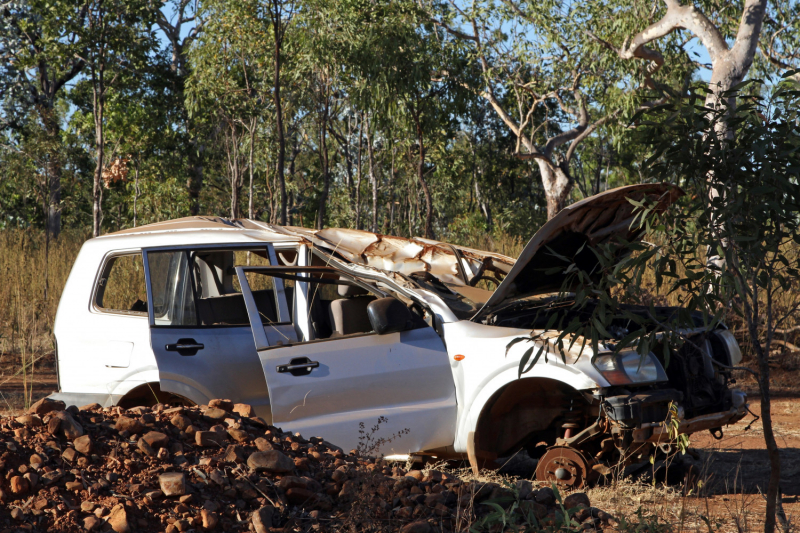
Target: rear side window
<point>121,287</point>
<point>198,288</point>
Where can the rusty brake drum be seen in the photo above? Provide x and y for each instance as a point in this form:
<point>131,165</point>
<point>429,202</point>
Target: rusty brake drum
<point>567,467</point>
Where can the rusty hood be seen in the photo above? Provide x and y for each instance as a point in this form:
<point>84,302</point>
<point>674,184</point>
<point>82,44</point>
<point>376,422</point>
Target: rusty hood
<point>604,218</point>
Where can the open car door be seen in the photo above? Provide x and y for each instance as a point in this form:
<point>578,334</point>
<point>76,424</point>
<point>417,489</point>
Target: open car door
<point>199,327</point>
<point>338,378</point>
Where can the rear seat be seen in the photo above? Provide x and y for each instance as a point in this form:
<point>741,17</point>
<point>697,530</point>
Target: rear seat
<point>230,310</point>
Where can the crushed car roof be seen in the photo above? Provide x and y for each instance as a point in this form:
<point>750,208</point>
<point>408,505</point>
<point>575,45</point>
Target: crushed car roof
<point>457,265</point>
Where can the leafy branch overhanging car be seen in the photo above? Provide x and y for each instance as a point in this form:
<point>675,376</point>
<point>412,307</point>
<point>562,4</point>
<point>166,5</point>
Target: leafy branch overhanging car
<point>323,330</point>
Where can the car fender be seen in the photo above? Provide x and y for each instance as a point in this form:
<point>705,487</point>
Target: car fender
<point>468,421</point>
<point>137,378</point>
<point>481,367</point>
<point>182,386</point>
<point>116,389</point>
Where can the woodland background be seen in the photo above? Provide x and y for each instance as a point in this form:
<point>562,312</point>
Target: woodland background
<point>471,122</point>
<point>468,122</point>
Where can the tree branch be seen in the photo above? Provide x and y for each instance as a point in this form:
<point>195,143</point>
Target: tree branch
<point>683,17</point>
<point>454,32</point>
<point>76,69</point>
<point>747,37</point>
<point>588,131</point>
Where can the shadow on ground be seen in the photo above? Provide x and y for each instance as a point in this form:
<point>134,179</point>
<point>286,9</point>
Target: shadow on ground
<point>747,471</point>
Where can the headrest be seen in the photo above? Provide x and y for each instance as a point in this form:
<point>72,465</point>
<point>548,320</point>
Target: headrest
<point>348,291</point>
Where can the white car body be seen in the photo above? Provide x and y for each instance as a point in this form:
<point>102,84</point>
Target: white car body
<point>436,384</point>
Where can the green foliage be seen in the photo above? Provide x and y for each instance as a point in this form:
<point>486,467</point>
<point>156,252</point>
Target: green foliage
<point>727,248</point>
<point>750,222</point>
<point>681,439</point>
<point>39,37</point>
<point>510,513</point>
<point>179,101</point>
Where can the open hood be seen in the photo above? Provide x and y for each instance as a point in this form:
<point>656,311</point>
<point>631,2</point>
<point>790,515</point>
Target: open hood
<point>600,219</point>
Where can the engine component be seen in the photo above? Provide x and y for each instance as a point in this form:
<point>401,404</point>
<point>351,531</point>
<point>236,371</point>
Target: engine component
<point>568,467</point>
<point>625,410</point>
<point>631,411</point>
<point>569,429</point>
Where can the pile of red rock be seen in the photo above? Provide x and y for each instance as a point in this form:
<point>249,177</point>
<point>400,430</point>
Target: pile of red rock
<point>220,468</point>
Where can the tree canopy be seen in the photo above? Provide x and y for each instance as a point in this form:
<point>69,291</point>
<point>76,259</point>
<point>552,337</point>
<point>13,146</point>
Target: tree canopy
<point>454,120</point>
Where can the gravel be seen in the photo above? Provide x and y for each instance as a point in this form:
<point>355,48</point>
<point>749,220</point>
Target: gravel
<point>220,468</point>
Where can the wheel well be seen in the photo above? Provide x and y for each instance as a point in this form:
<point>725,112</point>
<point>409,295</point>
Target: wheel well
<point>149,394</point>
<point>526,412</point>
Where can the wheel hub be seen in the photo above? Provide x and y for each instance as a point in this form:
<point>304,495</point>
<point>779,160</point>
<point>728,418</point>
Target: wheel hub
<point>567,467</point>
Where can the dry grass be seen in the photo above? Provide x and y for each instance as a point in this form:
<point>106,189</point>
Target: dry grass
<point>33,278</point>
<point>642,507</point>
<point>500,243</point>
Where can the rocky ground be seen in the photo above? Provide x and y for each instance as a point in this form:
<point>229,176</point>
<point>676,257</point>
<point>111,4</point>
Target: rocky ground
<point>219,468</point>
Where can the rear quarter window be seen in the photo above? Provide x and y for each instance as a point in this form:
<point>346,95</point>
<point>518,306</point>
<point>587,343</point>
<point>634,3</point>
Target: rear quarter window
<point>121,287</point>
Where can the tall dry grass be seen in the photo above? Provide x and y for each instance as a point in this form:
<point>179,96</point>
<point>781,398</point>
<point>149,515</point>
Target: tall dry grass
<point>33,274</point>
<point>501,243</point>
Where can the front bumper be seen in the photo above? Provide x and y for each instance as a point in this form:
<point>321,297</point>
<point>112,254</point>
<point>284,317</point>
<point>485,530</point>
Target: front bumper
<point>663,432</point>
<point>633,416</point>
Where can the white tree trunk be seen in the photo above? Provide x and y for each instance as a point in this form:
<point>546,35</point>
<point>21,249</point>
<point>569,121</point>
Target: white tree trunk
<point>557,186</point>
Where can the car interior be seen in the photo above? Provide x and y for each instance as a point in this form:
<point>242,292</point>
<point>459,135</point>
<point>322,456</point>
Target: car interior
<point>219,297</point>
<point>336,309</point>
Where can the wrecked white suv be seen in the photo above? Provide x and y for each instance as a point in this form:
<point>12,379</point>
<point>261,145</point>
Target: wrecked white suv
<point>323,331</point>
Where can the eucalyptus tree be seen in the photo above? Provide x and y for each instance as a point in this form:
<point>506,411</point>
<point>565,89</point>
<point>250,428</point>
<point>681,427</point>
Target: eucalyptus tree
<point>181,23</point>
<point>319,64</point>
<point>333,39</point>
<point>539,77</point>
<point>779,45</point>
<point>278,16</point>
<point>227,86</point>
<point>117,39</point>
<point>729,31</point>
<point>323,89</point>
<point>658,35</point>
<point>488,190</point>
<point>390,57</point>
<point>144,131</point>
<point>42,46</point>
<point>268,23</point>
<point>755,290</point>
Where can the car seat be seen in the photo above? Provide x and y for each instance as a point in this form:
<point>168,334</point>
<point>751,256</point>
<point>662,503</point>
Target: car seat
<point>349,314</point>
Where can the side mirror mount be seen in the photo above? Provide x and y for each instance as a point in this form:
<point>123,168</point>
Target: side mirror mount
<point>388,315</point>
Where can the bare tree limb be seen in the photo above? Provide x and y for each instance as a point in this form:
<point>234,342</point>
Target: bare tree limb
<point>454,32</point>
<point>588,131</point>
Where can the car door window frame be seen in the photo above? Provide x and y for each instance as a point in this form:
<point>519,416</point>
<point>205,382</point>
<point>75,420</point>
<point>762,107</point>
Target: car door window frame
<point>259,335</point>
<point>106,264</point>
<point>272,250</point>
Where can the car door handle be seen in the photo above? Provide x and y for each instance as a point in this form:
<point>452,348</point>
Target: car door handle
<point>185,347</point>
<point>300,366</point>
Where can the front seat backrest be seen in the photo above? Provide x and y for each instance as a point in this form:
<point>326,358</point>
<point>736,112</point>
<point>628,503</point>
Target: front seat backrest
<point>349,314</point>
